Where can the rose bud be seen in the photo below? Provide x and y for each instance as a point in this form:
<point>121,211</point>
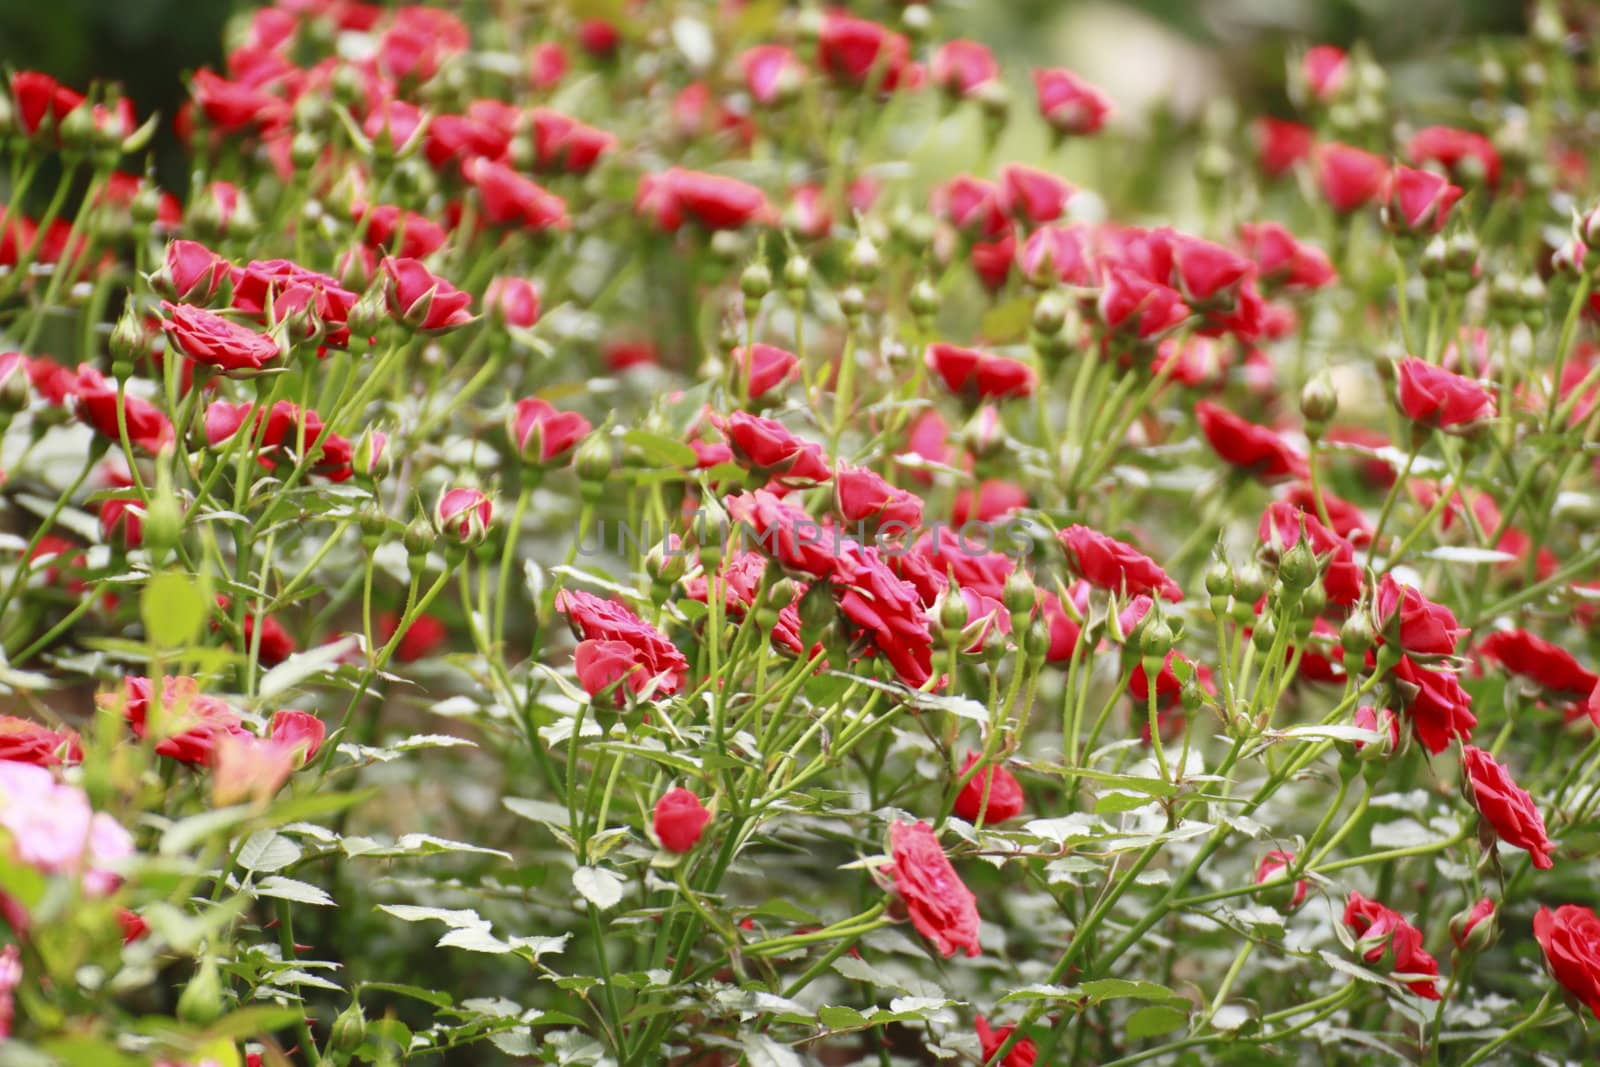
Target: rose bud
<point>463,516</point>
<point>1436,397</point>
<point>1570,940</point>
<point>993,795</point>
<point>1272,867</point>
<point>1348,177</point>
<point>210,339</point>
<point>1418,201</point>
<point>191,273</point>
<point>423,301</point>
<point>370,457</point>
<point>680,819</point>
<point>1069,104</point>
<point>512,302</point>
<point>1384,722</point>
<point>1476,928</point>
<point>764,367</point>
<point>544,434</point>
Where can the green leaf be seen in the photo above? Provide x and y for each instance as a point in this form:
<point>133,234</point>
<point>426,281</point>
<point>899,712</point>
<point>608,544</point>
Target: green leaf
<point>267,851</point>
<point>659,451</point>
<point>1153,1019</point>
<point>435,997</point>
<point>174,607</point>
<point>1123,988</point>
<point>598,886</point>
<point>290,889</point>
<point>841,1018</point>
<point>762,1051</point>
<point>302,665</point>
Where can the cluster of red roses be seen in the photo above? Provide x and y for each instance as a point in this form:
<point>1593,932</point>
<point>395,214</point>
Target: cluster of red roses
<point>402,162</point>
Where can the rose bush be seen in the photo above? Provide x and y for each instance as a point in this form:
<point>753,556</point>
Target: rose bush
<point>703,534</point>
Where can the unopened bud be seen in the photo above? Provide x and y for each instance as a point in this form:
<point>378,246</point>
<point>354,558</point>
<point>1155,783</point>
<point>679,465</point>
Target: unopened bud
<point>419,540</point>
<point>200,1003</point>
<point>131,341</point>
<point>462,516</point>
<point>349,1029</point>
<point>796,276</point>
<point>594,461</point>
<point>370,457</point>
<point>1319,401</point>
<point>864,261</point>
<point>1265,634</point>
<point>1049,313</point>
<point>924,299</point>
<point>1155,641</point>
<point>1297,567</point>
<point>1219,579</point>
<point>1477,928</point>
<point>756,280</point>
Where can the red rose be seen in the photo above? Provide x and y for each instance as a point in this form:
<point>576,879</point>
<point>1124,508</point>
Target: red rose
<point>513,302</point>
<point>282,434</point>
<point>1552,666</point>
<point>561,142</point>
<point>400,231</point>
<point>1280,529</point>
<point>764,367</point>
<point>680,819</point>
<point>300,730</point>
<point>771,72</point>
<point>1440,710</point>
<point>602,664</point>
<point>1282,259</point>
<point>1506,806</point>
<point>1109,564</point>
<point>215,341</point>
<point>971,205</point>
<point>544,434</point>
<point>1419,201</point>
<point>1131,303</point>
<point>190,725</point>
<point>1254,449</point>
<point>1382,932</point>
<point>1570,939</point>
<point>1272,866</point>
<point>858,50</point>
<point>463,515</point>
<point>96,401</point>
<point>1063,252</point>
<point>232,106</point>
<point>39,97</point>
<point>509,199</point>
<point>1023,1054</point>
<point>768,447</point>
<point>1281,144</point>
<point>192,272</point>
<point>961,68</point>
<point>714,201</point>
<point>1064,629</point>
<point>1068,103</point>
<point>1470,156</point>
<point>1033,195</point>
<point>596,619</point>
<point>275,643</point>
<point>783,532</point>
<point>993,794</point>
<point>980,375</point>
<point>1348,177</point>
<point>887,612</point>
<point>941,908</point>
<point>1464,927</point>
<point>1383,721</point>
<point>862,495</point>
<point>969,561</point>
<point>460,138</point>
<point>24,741</point>
<point>1418,625</point>
<point>1437,397</point>
<point>1324,70</point>
<point>421,639</point>
<point>993,499</point>
<point>1349,521</point>
<point>421,299</point>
